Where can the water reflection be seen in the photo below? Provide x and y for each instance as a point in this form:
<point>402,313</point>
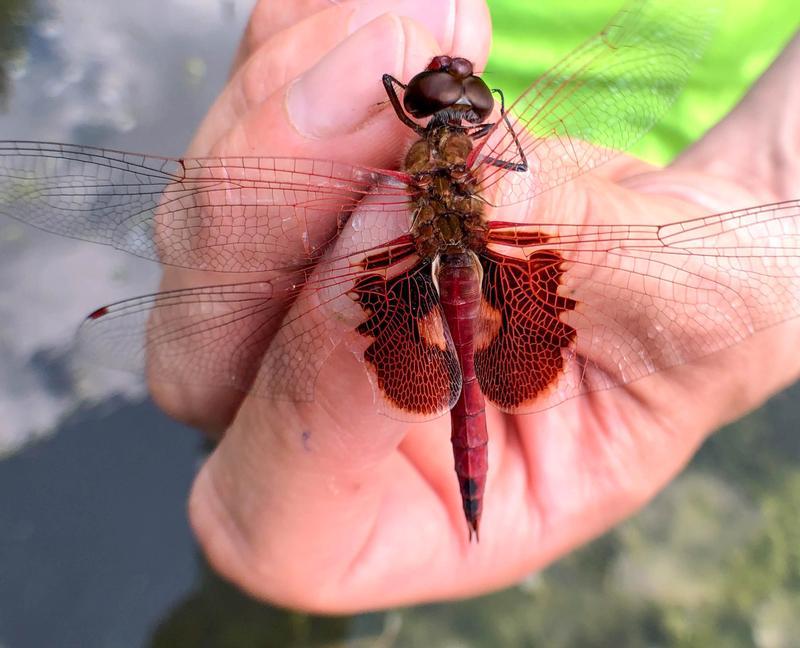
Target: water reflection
<point>106,74</point>
<point>15,16</point>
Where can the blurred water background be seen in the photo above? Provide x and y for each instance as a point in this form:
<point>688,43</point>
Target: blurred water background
<point>94,545</point>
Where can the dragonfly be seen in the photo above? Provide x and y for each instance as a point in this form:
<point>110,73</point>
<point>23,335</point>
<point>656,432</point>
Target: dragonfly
<point>436,275</point>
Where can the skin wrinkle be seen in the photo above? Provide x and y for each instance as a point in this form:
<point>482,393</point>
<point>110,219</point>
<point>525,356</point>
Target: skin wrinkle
<point>401,54</point>
<point>243,534</point>
<point>263,568</point>
<point>223,540</point>
<point>664,412</point>
<point>741,395</point>
<point>400,41</point>
<point>363,549</point>
<point>432,479</point>
<point>359,557</point>
<point>788,184</point>
<point>260,76</point>
<point>513,440</point>
<point>531,460</point>
<point>611,417</point>
<point>584,480</point>
<point>448,45</point>
<point>378,552</point>
<point>265,21</point>
<point>605,441</point>
<point>533,511</point>
<point>679,190</point>
<point>373,545</point>
<point>602,429</point>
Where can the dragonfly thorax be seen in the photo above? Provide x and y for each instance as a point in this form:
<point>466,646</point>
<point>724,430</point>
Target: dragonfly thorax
<point>448,216</point>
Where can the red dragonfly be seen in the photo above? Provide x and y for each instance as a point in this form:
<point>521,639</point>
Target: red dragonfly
<point>445,300</point>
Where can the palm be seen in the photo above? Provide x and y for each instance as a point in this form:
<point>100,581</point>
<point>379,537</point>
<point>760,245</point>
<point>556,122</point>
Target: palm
<point>559,476</point>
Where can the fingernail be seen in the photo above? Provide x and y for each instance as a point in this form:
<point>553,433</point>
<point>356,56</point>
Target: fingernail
<point>338,93</point>
<point>438,17</point>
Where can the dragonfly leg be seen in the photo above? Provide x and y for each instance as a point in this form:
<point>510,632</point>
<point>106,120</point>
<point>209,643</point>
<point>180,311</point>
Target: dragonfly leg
<point>480,130</point>
<point>388,84</point>
<point>519,167</point>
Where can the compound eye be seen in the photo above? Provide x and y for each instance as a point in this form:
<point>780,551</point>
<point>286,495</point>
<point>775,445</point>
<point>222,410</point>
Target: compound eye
<point>439,63</point>
<point>430,92</point>
<point>461,68</point>
<point>479,96</point>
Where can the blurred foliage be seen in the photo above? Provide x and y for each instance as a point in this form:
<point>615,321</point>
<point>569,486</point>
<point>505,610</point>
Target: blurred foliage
<point>219,616</point>
<point>529,37</point>
<point>15,18</point>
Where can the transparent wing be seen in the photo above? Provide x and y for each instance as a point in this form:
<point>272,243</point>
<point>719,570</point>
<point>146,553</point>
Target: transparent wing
<point>226,215</point>
<point>598,100</point>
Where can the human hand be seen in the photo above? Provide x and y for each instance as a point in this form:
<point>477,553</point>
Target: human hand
<point>332,507</point>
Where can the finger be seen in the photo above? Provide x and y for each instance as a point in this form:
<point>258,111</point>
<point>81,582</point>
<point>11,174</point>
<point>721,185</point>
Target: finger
<point>758,144</point>
<point>285,54</point>
<point>269,17</point>
<point>319,115</point>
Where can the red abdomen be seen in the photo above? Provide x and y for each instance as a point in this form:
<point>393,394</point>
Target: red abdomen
<point>459,280</point>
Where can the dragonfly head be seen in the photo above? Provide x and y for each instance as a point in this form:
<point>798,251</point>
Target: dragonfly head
<point>448,84</point>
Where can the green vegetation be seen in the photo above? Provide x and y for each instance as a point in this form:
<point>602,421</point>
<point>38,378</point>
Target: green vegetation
<point>529,37</point>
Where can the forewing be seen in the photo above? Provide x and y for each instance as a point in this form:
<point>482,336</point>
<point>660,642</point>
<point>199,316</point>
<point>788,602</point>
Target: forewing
<point>217,214</point>
<point>598,100</point>
<point>620,302</point>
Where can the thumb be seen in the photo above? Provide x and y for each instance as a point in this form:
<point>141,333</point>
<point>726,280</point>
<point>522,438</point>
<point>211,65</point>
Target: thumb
<point>757,145</point>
